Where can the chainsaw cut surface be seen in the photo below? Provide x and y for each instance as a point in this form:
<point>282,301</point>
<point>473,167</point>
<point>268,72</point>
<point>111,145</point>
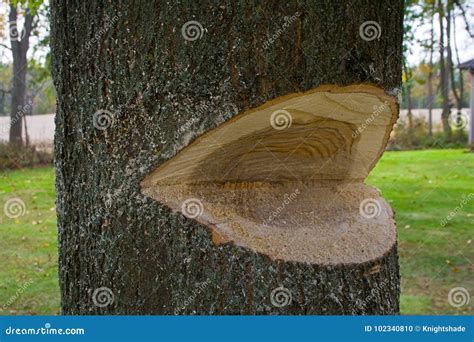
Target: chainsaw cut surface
<point>286,179</point>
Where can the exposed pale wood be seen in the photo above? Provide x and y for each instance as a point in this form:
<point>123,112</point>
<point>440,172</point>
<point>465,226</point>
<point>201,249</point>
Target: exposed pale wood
<point>310,169</point>
<point>312,223</point>
<point>322,142</point>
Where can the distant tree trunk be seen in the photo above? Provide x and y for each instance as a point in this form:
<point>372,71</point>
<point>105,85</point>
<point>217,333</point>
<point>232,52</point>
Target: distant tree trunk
<point>27,138</point>
<point>457,96</point>
<point>136,85</point>
<point>461,75</point>
<point>450,56</point>
<point>409,101</point>
<point>444,82</point>
<point>430,78</point>
<point>3,95</point>
<point>28,111</point>
<point>19,47</point>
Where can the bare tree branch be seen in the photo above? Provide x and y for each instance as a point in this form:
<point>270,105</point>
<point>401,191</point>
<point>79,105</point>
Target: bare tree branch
<point>12,17</point>
<point>463,12</point>
<point>5,46</point>
<point>27,28</point>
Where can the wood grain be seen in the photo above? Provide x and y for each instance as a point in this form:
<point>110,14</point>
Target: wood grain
<point>336,133</point>
<point>304,157</point>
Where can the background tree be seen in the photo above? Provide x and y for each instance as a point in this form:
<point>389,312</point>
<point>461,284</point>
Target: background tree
<point>19,46</point>
<point>444,71</point>
<point>431,97</point>
<point>443,85</point>
<point>19,41</point>
<point>410,17</point>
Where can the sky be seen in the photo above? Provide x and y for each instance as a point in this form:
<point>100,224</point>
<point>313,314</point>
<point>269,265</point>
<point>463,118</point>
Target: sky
<point>464,42</point>
<point>5,54</point>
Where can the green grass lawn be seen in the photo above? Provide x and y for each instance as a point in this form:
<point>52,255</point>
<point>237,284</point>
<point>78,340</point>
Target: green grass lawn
<point>422,186</point>
<point>28,244</point>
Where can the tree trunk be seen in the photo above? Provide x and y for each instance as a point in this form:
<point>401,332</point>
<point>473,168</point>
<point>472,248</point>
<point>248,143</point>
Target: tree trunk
<point>19,47</point>
<point>444,80</point>
<point>18,97</point>
<point>409,102</point>
<point>450,57</point>
<point>431,97</point>
<point>461,78</point>
<point>3,95</point>
<point>137,82</point>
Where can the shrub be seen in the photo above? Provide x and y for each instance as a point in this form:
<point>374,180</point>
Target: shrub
<point>404,138</point>
<point>14,157</point>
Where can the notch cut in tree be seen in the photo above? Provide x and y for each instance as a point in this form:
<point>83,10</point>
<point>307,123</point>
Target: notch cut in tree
<point>272,218</point>
<point>307,152</point>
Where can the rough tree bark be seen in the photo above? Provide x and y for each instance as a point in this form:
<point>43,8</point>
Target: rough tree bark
<point>134,88</point>
<point>19,47</point>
